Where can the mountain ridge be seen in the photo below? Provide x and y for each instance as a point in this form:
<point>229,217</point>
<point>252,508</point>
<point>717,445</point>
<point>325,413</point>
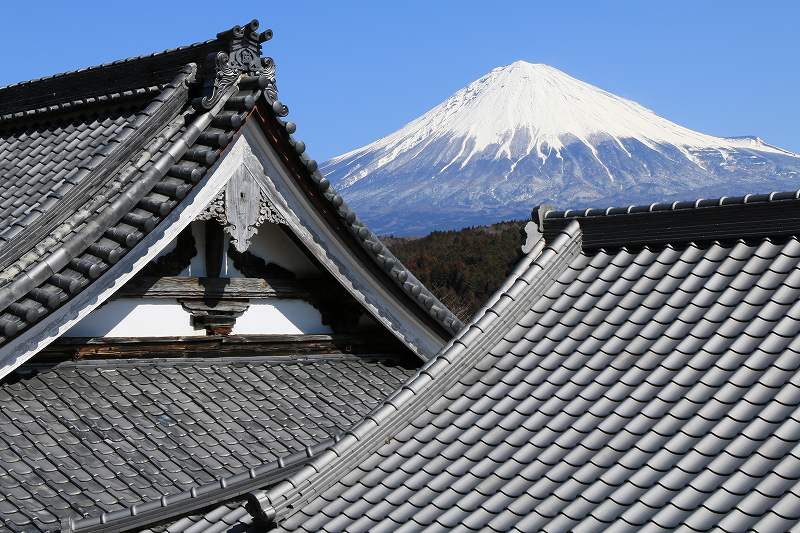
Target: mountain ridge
<point>528,133</point>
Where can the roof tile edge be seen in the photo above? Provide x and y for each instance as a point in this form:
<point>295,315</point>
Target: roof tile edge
<point>223,489</point>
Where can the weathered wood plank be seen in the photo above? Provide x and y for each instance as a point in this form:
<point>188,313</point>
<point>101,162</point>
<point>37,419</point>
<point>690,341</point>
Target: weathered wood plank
<point>189,287</point>
<point>74,348</point>
<point>242,205</point>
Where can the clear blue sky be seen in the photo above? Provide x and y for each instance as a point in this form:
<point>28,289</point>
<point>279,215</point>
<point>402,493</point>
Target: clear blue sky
<point>351,72</point>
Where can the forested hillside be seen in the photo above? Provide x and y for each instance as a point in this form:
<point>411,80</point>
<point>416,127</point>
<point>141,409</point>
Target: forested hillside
<point>464,267</point>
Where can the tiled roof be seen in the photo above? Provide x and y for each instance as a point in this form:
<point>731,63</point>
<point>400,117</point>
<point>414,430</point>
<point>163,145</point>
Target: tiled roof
<point>236,492</point>
<point>97,166</point>
<point>651,388</point>
<point>218,520</point>
<point>40,165</point>
<point>91,162</point>
<point>84,438</point>
<point>46,166</point>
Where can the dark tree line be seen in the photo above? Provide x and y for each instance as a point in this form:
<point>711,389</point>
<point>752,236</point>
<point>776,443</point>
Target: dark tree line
<point>464,267</point>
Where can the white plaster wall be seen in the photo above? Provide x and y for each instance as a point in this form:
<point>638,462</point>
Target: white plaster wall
<point>136,317</point>
<point>155,317</point>
<point>267,316</point>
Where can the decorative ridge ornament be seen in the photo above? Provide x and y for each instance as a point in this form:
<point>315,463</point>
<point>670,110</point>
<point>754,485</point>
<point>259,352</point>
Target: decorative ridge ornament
<point>241,55</point>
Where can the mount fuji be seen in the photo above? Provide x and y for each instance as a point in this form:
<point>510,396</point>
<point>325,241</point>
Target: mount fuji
<point>527,134</point>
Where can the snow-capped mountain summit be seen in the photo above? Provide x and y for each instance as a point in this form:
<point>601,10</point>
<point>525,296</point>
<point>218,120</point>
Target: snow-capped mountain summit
<point>526,134</point>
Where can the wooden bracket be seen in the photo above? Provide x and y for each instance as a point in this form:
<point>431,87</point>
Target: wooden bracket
<point>218,318</point>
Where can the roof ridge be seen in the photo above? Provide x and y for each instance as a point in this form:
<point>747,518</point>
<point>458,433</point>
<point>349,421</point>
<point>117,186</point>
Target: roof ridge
<point>104,65</point>
<point>728,217</point>
<point>236,47</point>
<point>213,493</point>
<point>774,196</point>
<point>460,355</point>
<point>74,105</point>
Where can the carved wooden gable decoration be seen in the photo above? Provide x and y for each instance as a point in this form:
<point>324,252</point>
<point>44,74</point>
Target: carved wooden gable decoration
<point>241,208</point>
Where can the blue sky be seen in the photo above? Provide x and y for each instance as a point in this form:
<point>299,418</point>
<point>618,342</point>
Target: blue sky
<point>354,71</point>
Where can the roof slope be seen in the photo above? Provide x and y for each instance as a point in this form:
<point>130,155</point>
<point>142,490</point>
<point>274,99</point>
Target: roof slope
<point>652,387</point>
<point>531,277</point>
<point>42,165</point>
<point>86,438</point>
<point>98,165</point>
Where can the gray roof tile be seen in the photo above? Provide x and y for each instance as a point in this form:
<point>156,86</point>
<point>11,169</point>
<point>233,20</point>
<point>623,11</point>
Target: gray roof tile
<point>26,181</point>
<point>112,434</point>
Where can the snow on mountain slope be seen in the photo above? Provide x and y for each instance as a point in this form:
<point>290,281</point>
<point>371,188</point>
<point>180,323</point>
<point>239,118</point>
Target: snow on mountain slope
<point>526,134</point>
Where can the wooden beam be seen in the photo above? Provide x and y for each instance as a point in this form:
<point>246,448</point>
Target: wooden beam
<point>215,288</point>
<point>72,348</point>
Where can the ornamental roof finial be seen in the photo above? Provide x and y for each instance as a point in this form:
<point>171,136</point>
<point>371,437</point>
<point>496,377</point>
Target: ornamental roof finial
<point>240,54</point>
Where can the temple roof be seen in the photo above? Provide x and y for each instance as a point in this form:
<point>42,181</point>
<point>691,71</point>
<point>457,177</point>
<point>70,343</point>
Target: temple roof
<point>637,370</point>
<point>101,168</point>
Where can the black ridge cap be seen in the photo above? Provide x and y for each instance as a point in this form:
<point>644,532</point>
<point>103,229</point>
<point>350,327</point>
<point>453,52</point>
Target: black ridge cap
<point>775,214</point>
<point>367,240</point>
<point>76,107</point>
<point>154,512</point>
<point>38,96</point>
<point>102,65</point>
<point>530,279</point>
<point>125,76</point>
